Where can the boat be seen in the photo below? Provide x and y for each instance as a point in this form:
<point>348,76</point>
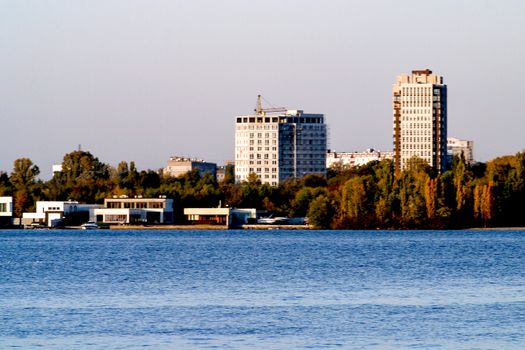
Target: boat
<point>89,226</point>
<point>272,220</point>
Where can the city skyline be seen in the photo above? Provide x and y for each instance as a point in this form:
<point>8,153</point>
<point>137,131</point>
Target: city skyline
<point>106,74</point>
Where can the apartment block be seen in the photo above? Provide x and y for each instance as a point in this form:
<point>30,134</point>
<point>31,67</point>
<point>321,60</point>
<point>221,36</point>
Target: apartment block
<point>420,119</point>
<point>278,143</point>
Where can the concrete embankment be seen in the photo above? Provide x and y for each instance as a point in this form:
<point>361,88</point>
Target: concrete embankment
<point>276,227</point>
<point>209,227</point>
<point>168,227</point>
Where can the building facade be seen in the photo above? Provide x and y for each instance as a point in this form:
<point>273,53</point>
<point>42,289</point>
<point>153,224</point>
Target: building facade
<point>220,216</point>
<point>456,147</point>
<point>178,166</point>
<point>6,211</point>
<point>420,119</point>
<point>353,159</point>
<point>277,144</point>
<point>222,170</point>
<point>52,213</point>
<point>135,210</point>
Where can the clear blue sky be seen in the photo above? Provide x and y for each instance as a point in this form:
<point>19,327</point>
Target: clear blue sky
<point>143,80</point>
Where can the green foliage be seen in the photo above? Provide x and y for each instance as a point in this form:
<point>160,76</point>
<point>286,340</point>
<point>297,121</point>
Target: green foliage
<point>23,182</point>
<point>366,197</point>
<point>5,184</point>
<point>321,212</point>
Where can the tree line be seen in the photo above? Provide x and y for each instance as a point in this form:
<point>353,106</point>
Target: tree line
<point>372,196</point>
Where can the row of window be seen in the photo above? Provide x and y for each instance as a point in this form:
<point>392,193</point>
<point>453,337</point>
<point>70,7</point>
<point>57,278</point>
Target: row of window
<point>259,162</point>
<point>302,171</point>
<point>417,132</point>
<point>258,127</point>
<point>417,146</point>
<point>266,170</point>
<point>419,90</point>
<point>418,119</point>
<point>263,155</point>
<point>409,154</point>
<point>260,142</point>
<point>416,111</point>
<point>408,139</point>
<point>259,149</point>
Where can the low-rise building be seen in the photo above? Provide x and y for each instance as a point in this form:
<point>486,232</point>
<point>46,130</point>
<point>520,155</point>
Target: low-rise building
<point>6,211</point>
<point>220,216</point>
<point>51,213</point>
<point>125,210</point>
<point>178,166</point>
<point>456,147</point>
<point>353,159</point>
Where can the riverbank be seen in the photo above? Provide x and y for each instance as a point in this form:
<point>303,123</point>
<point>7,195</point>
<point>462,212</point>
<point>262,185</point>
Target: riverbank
<point>209,227</point>
<point>168,227</point>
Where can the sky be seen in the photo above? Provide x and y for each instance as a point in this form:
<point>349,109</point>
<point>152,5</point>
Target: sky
<point>144,80</point>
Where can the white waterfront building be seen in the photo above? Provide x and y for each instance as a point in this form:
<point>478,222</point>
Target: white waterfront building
<point>420,119</point>
<point>124,210</point>
<point>278,143</point>
<point>50,213</point>
<point>6,210</point>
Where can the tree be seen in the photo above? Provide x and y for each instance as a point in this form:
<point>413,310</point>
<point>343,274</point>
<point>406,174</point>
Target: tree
<point>23,179</point>
<point>5,185</point>
<point>24,174</point>
<point>83,178</point>
<point>320,213</point>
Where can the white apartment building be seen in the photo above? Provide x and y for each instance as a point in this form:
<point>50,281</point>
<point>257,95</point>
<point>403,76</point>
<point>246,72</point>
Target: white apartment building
<point>420,119</point>
<point>456,147</point>
<point>277,144</point>
<point>353,159</point>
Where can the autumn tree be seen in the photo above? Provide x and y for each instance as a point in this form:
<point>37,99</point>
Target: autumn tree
<point>320,212</point>
<point>23,181</point>
<point>83,178</point>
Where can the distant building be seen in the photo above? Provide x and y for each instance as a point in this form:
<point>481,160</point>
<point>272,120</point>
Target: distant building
<point>220,216</point>
<point>51,213</point>
<point>135,210</point>
<point>420,119</point>
<point>277,143</point>
<point>456,147</point>
<point>178,166</point>
<point>6,211</point>
<point>353,159</point>
<point>222,169</point>
<point>57,168</point>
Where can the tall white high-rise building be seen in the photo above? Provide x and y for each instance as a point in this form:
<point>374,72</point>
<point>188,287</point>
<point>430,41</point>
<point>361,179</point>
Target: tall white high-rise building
<point>277,144</point>
<point>420,119</point>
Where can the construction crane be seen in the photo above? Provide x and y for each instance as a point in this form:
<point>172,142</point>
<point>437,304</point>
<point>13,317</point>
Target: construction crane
<point>262,111</point>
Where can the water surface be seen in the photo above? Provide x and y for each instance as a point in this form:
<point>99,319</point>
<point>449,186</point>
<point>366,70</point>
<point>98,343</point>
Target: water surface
<point>262,290</point>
